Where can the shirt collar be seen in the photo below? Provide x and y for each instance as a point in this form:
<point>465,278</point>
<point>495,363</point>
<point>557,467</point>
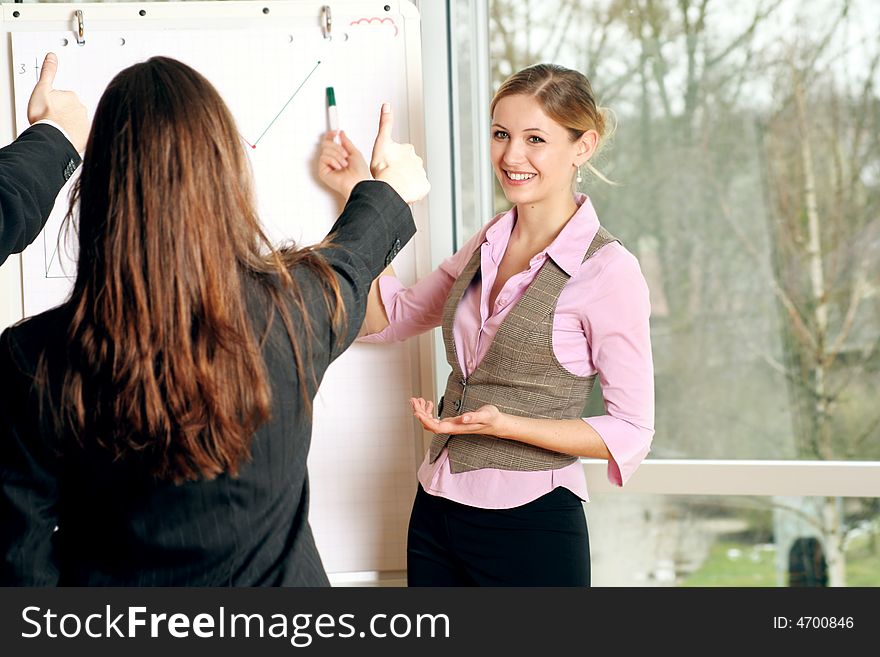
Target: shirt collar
<point>499,232</point>
<point>569,247</point>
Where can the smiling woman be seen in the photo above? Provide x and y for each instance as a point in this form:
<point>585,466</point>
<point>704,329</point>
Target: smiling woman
<point>575,119</point>
<point>735,125</point>
<point>533,155</point>
<point>534,307</point>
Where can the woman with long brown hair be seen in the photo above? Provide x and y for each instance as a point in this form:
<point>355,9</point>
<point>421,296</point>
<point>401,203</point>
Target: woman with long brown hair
<point>156,426</point>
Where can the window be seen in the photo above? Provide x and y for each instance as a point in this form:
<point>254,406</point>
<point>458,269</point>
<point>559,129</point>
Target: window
<point>748,160</point>
<point>748,157</point>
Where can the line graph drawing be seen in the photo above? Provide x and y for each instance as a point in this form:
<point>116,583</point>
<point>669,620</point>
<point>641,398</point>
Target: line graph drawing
<point>54,268</point>
<point>281,111</point>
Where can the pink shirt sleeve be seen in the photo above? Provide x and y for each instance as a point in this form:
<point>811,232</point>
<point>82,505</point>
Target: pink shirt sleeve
<point>419,308</point>
<point>618,329</point>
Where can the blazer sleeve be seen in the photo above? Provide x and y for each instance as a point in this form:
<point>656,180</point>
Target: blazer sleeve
<point>29,482</point>
<point>33,169</point>
<point>374,226</point>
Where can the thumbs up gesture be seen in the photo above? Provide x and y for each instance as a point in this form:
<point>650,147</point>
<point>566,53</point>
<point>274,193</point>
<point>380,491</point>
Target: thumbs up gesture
<point>62,107</point>
<point>397,164</point>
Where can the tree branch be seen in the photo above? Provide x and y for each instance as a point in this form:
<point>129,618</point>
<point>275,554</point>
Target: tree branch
<point>797,321</point>
<point>747,34</point>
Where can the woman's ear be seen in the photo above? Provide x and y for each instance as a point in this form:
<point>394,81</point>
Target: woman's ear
<point>586,144</point>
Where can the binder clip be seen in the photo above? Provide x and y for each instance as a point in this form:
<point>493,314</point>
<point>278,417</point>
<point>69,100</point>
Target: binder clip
<point>81,30</point>
<point>326,21</point>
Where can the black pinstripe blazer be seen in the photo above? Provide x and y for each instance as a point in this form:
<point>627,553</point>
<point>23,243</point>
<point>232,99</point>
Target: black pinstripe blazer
<point>117,527</point>
<point>33,169</point>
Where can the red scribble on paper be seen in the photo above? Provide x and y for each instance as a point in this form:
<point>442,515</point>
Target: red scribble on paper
<point>376,19</point>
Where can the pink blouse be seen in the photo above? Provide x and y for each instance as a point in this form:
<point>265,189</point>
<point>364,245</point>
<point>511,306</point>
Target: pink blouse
<point>600,325</point>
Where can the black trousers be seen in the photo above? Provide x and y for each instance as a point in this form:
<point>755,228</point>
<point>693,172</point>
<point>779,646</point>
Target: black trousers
<point>542,543</point>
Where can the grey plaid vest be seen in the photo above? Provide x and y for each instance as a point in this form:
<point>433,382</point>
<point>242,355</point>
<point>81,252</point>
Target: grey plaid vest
<point>519,374</point>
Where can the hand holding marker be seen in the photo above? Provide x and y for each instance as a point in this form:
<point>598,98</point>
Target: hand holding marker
<point>341,165</point>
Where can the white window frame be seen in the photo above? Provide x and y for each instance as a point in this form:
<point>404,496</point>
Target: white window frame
<point>742,477</point>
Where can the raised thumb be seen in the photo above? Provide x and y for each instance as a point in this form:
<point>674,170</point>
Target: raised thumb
<point>386,120</point>
<point>47,72</point>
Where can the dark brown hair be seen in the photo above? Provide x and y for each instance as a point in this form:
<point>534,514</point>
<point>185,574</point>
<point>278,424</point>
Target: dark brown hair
<point>163,361</point>
<point>565,95</point>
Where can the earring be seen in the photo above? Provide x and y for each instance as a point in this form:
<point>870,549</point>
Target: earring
<point>579,178</point>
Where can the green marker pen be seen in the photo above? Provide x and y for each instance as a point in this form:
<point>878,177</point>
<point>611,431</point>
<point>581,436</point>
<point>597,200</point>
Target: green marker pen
<point>332,113</point>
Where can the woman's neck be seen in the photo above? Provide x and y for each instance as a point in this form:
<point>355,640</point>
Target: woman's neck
<point>538,224</point>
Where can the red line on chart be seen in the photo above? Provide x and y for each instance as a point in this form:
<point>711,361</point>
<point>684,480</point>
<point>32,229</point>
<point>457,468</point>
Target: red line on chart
<point>376,19</point>
<point>281,111</point>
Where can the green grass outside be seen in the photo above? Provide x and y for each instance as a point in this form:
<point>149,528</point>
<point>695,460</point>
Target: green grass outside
<point>756,567</point>
<point>862,567</point>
